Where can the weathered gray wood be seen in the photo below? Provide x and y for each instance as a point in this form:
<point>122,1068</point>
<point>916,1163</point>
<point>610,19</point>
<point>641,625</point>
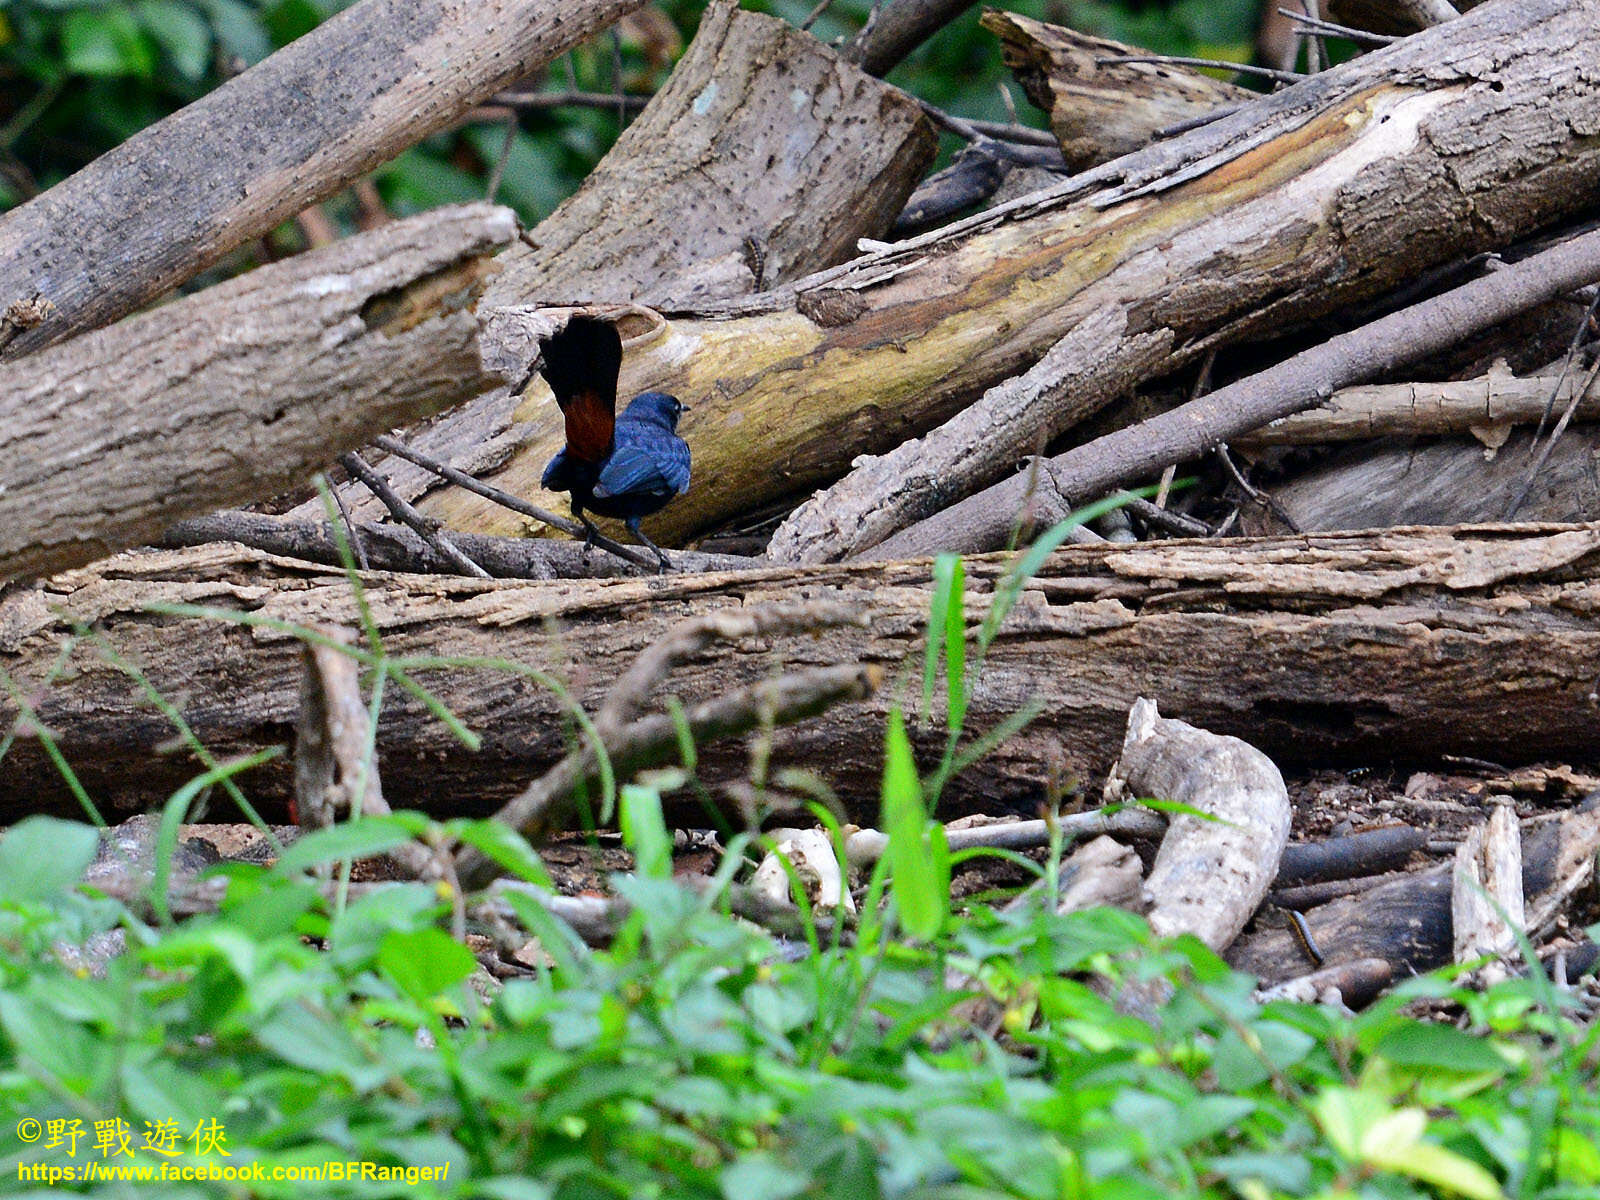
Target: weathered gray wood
<point>1348,183</point>
<point>241,391</point>
<point>295,128</point>
<point>1328,648</point>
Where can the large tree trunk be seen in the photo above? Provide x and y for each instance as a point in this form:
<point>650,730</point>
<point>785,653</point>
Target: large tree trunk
<point>295,128</point>
<point>1298,203</point>
<point>1331,648</point>
<point>725,184</point>
<point>237,392</point>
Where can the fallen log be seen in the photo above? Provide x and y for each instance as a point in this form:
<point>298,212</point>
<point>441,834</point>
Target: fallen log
<point>1124,272</point>
<point>240,391</point>
<point>1100,111</point>
<point>1327,648</point>
<point>1339,187</point>
<point>291,130</point>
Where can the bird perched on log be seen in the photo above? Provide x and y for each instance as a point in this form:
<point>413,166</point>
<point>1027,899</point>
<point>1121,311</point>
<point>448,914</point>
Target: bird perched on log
<point>623,467</point>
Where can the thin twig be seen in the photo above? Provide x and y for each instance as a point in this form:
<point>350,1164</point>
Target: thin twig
<point>1319,27</point>
<point>1550,443</point>
<point>408,516</point>
<point>498,175</point>
<point>1032,153</point>
<point>620,96</point>
<point>688,638</point>
<point>356,543</point>
<point>1255,493</point>
<point>1198,121</point>
<point>1214,64</point>
<point>654,741</point>
<point>506,500</point>
<point>1162,518</point>
<point>811,17</point>
<point>572,98</point>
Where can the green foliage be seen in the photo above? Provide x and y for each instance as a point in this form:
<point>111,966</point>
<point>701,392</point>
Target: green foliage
<point>696,1059</point>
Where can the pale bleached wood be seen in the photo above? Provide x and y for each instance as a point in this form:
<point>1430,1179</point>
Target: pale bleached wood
<point>293,129</point>
<point>239,392</point>
<point>1221,854</point>
<point>1486,903</point>
<point>1328,649</point>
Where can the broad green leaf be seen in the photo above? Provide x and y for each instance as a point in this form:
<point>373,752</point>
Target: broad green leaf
<point>644,832</point>
<point>106,41</point>
<point>1425,1044</point>
<point>182,34</point>
<point>424,963</point>
<point>41,857</point>
<point>502,844</point>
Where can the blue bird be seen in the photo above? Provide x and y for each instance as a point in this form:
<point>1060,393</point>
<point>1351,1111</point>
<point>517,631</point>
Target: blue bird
<point>627,467</point>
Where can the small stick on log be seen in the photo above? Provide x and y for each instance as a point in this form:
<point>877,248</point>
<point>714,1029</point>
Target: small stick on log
<point>1080,475</point>
<point>438,541</point>
<point>515,503</point>
<point>396,548</point>
<point>1486,904</point>
<point>689,638</point>
<point>1310,895</point>
<point>1365,853</point>
<point>1211,872</point>
<point>1353,984</point>
<point>1489,403</point>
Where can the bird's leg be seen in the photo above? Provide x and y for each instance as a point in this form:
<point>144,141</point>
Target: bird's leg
<point>591,531</point>
<point>661,555</point>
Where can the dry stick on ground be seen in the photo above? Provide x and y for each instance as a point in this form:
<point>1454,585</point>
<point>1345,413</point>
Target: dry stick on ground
<point>1408,922</point>
<point>515,503</point>
<point>539,101</point>
<point>1316,26</point>
<point>437,539</point>
<point>692,637</point>
<point>326,109</point>
<point>1133,268</point>
<point>1555,436</point>
<point>1190,430</point>
<point>395,548</point>
<point>865,846</point>
<point>1364,853</point>
<point>241,391</point>
<point>653,741</point>
<point>1486,903</point>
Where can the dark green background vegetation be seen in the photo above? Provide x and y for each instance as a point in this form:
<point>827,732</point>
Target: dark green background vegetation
<point>77,78</point>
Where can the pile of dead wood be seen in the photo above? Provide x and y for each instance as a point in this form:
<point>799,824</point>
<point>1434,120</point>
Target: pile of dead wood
<point>1363,300</point>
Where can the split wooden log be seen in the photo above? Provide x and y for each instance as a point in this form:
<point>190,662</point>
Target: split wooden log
<point>765,157</point>
<point>1327,648</point>
<point>1396,16</point>
<point>1217,859</point>
<point>241,391</point>
<point>1408,923</point>
<point>1367,171</point>
<point>1102,110</point>
<point>1486,902</point>
<point>293,129</point>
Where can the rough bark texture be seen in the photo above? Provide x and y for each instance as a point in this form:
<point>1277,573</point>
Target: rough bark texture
<point>764,149</point>
<point>1325,648</point>
<point>1398,482</point>
<point>240,391</point>
<point>1298,203</point>
<point>1100,111</point>
<point>293,129</point>
<point>1339,187</point>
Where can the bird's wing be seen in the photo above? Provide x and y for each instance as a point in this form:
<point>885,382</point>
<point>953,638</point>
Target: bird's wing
<point>580,365</point>
<point>656,467</point>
